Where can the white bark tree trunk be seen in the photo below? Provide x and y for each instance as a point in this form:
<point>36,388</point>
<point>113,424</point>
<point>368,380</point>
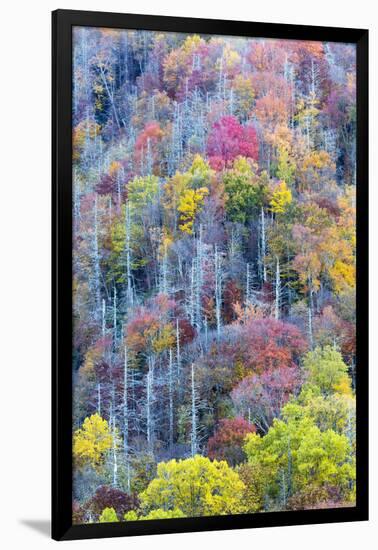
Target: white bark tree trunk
<point>192,293</point>
<point>103,324</point>
<point>170,389</point>
<point>248,295</point>
<point>126,405</point>
<point>126,420</point>
<point>310,315</point>
<point>149,402</point>
<point>96,258</point>
<point>115,316</point>
<point>218,289</point>
<point>193,435</point>
<point>178,352</point>
<point>277,302</point>
<point>263,245</point>
<point>112,418</point>
<point>129,288</point>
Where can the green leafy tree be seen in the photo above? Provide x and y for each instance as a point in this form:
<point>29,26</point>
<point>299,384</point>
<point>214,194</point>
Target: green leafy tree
<point>296,454</point>
<point>331,412</point>
<point>286,166</point>
<point>326,369</point>
<point>142,192</point>
<point>245,191</point>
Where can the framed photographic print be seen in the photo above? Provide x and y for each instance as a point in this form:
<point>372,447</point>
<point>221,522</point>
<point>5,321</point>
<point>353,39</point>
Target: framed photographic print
<point>210,195</point>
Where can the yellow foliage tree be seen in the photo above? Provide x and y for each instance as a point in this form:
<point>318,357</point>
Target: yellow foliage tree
<point>197,486</point>
<point>155,514</point>
<point>200,172</point>
<point>198,176</point>
<point>281,199</point>
<point>108,515</point>
<point>165,338</point>
<point>84,131</point>
<point>342,244</point>
<point>92,441</point>
<point>190,203</point>
<point>245,95</point>
<point>286,165</point>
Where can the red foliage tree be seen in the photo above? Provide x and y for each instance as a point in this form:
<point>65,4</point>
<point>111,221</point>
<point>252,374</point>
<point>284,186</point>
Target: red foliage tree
<point>147,322</point>
<point>147,146</point>
<point>269,344</point>
<point>227,442</point>
<point>268,56</point>
<point>231,296</point>
<point>258,346</point>
<point>228,139</point>
<point>310,57</point>
<point>186,332</point>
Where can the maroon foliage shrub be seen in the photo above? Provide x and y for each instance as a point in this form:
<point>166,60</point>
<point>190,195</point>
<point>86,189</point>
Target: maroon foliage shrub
<point>227,443</point>
<point>110,497</point>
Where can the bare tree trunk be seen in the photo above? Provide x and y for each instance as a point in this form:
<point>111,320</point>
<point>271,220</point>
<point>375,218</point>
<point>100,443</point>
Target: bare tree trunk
<point>126,418</point>
<point>277,303</point>
<point>263,244</point>
<point>149,158</point>
<point>150,398</point>
<point>170,384</point>
<point>115,317</point>
<point>110,96</point>
<point>99,397</point>
<point>96,258</point>
<point>178,352</point>
<point>103,327</point>
<point>248,296</point>
<point>192,293</point>
<point>112,418</point>
<point>310,315</point>
<point>193,435</point>
<point>218,289</point>
<point>198,282</point>
<point>129,290</point>
<point>163,283</point>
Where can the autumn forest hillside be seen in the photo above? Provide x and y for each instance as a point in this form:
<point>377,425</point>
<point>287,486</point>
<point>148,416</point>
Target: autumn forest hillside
<point>213,275</point>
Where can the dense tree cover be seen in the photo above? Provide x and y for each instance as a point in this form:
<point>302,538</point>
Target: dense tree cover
<point>213,275</point>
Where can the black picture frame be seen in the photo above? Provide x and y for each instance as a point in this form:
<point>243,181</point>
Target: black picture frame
<point>62,23</point>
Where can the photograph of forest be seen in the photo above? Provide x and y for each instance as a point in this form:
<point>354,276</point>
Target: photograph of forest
<point>214,243</point>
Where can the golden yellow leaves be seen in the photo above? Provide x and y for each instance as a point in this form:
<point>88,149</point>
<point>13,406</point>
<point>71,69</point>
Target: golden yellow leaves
<point>196,486</point>
<point>92,441</point>
<point>84,131</point>
<point>190,203</point>
<point>281,198</point>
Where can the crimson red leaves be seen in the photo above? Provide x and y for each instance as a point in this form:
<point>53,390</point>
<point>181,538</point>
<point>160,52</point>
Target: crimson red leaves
<point>226,443</point>
<point>229,139</point>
